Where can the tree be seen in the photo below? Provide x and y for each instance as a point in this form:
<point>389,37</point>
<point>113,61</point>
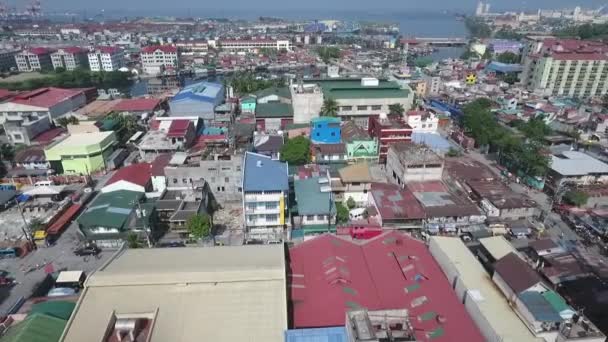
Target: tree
<point>133,240</point>
<point>296,151</point>
<point>577,198</point>
<point>535,129</point>
<point>479,121</point>
<point>477,27</point>
<point>350,203</point>
<point>396,109</point>
<point>508,57</point>
<point>65,121</point>
<point>330,107</point>
<point>423,62</point>
<point>341,213</point>
<point>510,78</point>
<point>452,152</point>
<point>199,226</point>
<point>327,53</point>
<point>124,125</point>
<point>7,152</point>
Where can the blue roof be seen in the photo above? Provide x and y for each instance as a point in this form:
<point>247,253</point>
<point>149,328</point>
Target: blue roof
<point>202,91</point>
<point>337,334</point>
<point>264,174</point>
<point>539,307</point>
<point>504,68</point>
<point>433,140</point>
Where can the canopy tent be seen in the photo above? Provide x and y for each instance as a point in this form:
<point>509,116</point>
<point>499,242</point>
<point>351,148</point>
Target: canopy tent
<point>50,190</point>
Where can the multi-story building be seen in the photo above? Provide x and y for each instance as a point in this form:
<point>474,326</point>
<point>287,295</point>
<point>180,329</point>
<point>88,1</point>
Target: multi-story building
<point>388,131</point>
<point>82,153</point>
<point>566,67</point>
<point>156,59</point>
<point>421,121</point>
<point>359,99</point>
<point>106,58</point>
<point>265,197</point>
<point>408,162</point>
<point>307,101</point>
<point>254,44</point>
<point>193,47</point>
<point>70,58</point>
<point>35,59</point>
<point>574,168</point>
<point>7,59</point>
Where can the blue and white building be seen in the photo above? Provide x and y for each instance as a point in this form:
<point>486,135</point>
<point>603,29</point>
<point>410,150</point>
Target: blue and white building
<point>197,100</point>
<point>265,198</point>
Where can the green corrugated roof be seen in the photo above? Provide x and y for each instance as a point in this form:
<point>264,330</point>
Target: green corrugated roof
<point>556,301</point>
<point>352,89</point>
<point>57,308</point>
<point>310,199</point>
<point>110,209</point>
<point>279,91</point>
<point>273,110</point>
<point>36,328</point>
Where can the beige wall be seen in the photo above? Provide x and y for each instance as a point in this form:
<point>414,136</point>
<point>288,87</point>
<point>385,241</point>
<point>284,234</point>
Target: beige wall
<point>83,127</point>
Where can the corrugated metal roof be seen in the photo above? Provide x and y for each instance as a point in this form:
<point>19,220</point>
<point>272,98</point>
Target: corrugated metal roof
<point>261,173</point>
<point>311,200</point>
<point>539,307</point>
<point>336,334</point>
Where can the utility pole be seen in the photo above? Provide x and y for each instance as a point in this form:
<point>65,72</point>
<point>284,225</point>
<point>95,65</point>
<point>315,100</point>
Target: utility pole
<point>141,213</point>
<point>25,227</point>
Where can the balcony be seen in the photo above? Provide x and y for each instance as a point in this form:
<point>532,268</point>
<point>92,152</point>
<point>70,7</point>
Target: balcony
<point>263,197</point>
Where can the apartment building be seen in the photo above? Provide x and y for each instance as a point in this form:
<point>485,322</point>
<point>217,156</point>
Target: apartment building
<point>7,59</point>
<point>193,47</point>
<point>106,58</point>
<point>254,44</point>
<point>70,58</point>
<point>34,59</point>
<point>566,67</point>
<point>265,198</point>
<point>156,59</point>
<point>389,130</point>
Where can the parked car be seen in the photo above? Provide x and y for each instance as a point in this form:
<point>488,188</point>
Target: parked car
<point>88,249</point>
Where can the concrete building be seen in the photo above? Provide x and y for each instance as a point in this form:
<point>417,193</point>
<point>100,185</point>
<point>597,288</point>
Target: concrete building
<point>273,116</point>
<point>193,47</point>
<point>35,59</point>
<point>501,202</point>
<point>359,144</point>
<point>254,44</point>
<point>566,67</point>
<point>106,58</point>
<point>232,294</point>
<point>314,202</point>
<point>407,163</point>
<point>422,122</point>
<point>574,167</point>
<point>134,177</point>
<point>433,85</point>
<point>358,99</point>
<point>7,60</point>
<point>307,100</point>
<point>265,197</point>
<point>156,59</point>
<point>197,100</point>
<point>170,136</point>
<point>353,181</point>
<point>325,130</point>
<point>388,131</point>
<point>488,308</point>
<point>81,153</point>
<point>70,58</point>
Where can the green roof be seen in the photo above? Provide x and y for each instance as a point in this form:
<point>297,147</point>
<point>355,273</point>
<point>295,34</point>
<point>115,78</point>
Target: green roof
<point>556,301</point>
<point>311,200</point>
<point>279,91</point>
<point>248,99</point>
<point>111,209</point>
<point>273,110</point>
<point>36,328</point>
<point>57,308</point>
<point>347,88</point>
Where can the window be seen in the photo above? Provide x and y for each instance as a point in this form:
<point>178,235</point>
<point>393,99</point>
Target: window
<point>238,168</point>
<point>226,179</point>
<point>251,206</point>
<point>174,180</point>
<point>333,134</point>
<point>347,107</point>
<point>310,217</point>
<point>184,180</point>
<point>376,107</point>
<point>361,107</point>
<point>321,217</point>
<point>272,217</point>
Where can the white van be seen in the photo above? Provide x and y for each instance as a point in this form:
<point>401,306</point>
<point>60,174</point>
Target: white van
<point>43,183</point>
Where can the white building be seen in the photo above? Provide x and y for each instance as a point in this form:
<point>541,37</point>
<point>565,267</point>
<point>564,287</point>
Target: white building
<point>35,59</point>
<point>106,58</point>
<point>156,59</point>
<point>255,44</point>
<point>407,162</point>
<point>422,122</point>
<point>306,101</point>
<point>70,58</point>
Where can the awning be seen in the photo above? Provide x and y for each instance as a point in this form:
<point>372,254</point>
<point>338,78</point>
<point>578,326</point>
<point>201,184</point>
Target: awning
<point>23,198</point>
<point>50,190</point>
<point>69,277</point>
<point>60,223</point>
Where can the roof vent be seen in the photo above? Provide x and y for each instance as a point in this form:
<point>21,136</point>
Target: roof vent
<point>127,326</point>
<point>258,163</point>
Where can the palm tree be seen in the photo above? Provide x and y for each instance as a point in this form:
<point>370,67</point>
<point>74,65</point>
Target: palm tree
<point>330,107</point>
<point>396,109</point>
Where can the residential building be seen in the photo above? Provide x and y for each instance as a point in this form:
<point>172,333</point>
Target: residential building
<point>268,145</point>
<point>353,181</point>
<point>193,46</point>
<point>34,59</point>
<point>422,122</point>
<point>314,203</point>
<point>388,131</point>
<point>7,60</point>
<point>170,136</point>
<point>359,99</point>
<point>498,201</point>
<point>394,207</point>
<point>81,153</point>
<point>106,58</point>
<point>248,105</point>
<point>254,44</point>
<point>157,171</point>
<point>307,100</point>
<point>273,116</point>
<point>325,130</point>
<point>141,292</point>
<point>488,308</point>
<point>265,197</point>
<point>340,275</point>
<point>197,100</point>
<point>31,158</point>
<point>574,167</point>
<point>566,67</point>
<point>433,85</point>
<point>70,58</point>
<point>176,207</point>
<point>273,94</point>
<point>156,59</point>
<point>134,177</point>
<point>24,129</point>
<point>408,162</point>
<point>112,216</point>
<point>329,153</point>
<point>138,106</point>
<point>359,144</point>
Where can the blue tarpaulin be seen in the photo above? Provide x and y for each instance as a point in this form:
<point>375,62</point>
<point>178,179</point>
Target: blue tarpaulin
<point>23,198</point>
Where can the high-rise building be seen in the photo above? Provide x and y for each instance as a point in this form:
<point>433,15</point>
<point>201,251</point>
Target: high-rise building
<point>35,59</point>
<point>156,59</point>
<point>70,58</point>
<point>480,9</point>
<point>106,58</point>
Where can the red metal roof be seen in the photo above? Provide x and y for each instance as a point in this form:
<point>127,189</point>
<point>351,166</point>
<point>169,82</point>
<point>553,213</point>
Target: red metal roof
<point>329,275</point>
<point>39,50</point>
<point>107,49</point>
<point>67,215</point>
<point>136,173</point>
<point>395,203</point>
<point>46,97</point>
<point>73,49</point>
<point>178,128</point>
<point>6,94</point>
<point>47,137</point>
<point>136,105</point>
<point>158,165</point>
<point>163,48</point>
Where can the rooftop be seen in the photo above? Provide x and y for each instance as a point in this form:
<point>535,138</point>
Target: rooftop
<point>574,163</point>
<point>439,201</point>
<point>261,173</point>
<point>138,174</point>
<point>516,273</point>
<point>273,110</point>
<point>81,139</point>
<point>110,209</point>
<point>329,275</point>
<point>395,203</point>
<point>500,195</point>
<point>179,128</point>
<point>162,48</point>
<point>351,132</point>
<point>414,154</point>
<point>497,246</point>
<point>46,97</point>
<point>313,196</point>
<point>136,105</point>
<point>466,169</point>
<point>348,88</point>
<point>222,293</point>
<point>202,91</point>
<point>355,173</point>
<point>279,91</point>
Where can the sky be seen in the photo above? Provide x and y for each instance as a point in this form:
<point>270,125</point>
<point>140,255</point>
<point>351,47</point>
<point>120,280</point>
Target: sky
<point>277,6</point>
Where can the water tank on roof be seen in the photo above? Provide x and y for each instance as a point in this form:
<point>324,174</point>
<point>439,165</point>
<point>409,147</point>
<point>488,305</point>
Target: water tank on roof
<point>369,82</point>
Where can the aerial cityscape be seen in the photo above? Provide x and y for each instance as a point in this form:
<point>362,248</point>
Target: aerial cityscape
<point>273,172</point>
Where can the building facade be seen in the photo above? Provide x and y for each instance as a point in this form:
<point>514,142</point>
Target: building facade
<point>81,153</point>
<point>388,131</point>
<point>70,58</point>
<point>35,59</point>
<point>408,162</point>
<point>7,59</point>
<point>156,59</point>
<point>106,58</point>
<point>255,44</point>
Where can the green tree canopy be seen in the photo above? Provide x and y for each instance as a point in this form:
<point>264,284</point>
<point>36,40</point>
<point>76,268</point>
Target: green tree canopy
<point>535,129</point>
<point>478,121</point>
<point>330,107</point>
<point>247,83</point>
<point>477,27</point>
<point>296,151</point>
<point>133,240</point>
<point>77,78</point>
<point>508,57</point>
<point>199,226</point>
<point>350,203</point>
<point>423,62</point>
<point>577,198</point>
<point>327,53</point>
<point>341,213</point>
<point>396,109</point>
